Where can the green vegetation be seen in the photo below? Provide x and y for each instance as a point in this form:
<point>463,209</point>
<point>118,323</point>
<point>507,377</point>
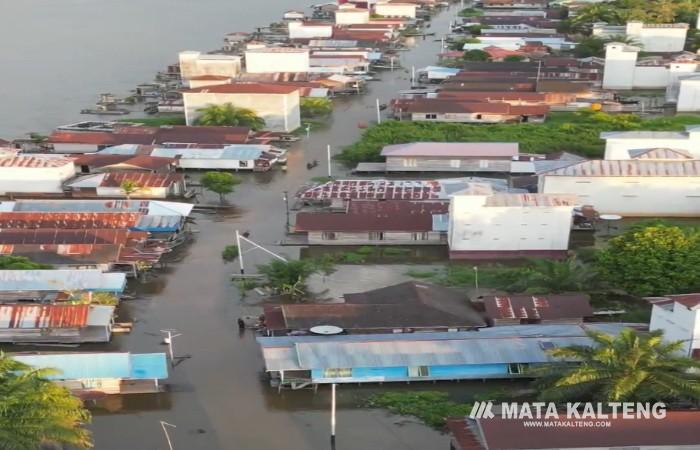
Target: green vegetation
<point>20,263</point>
<point>576,132</point>
<point>229,253</point>
<point>653,259</point>
<point>619,12</point>
<point>636,310</point>
<point>221,183</point>
<point>129,187</point>
<point>475,55</point>
<point>458,44</point>
<point>471,12</point>
<point>315,107</point>
<point>629,367</point>
<point>35,412</point>
<point>595,46</point>
<point>288,277</point>
<point>229,115</point>
<point>514,58</point>
<point>157,121</point>
<point>431,407</point>
<point>94,298</point>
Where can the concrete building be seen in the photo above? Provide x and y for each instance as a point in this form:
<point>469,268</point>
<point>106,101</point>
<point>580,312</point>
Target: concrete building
<point>450,156</point>
<point>623,70</point>
<point>277,104</point>
<point>276,59</point>
<point>310,30</point>
<point>34,174</point>
<point>349,14</point>
<point>678,316</point>
<point>622,144</point>
<point>196,64</point>
<point>688,98</point>
<point>488,225</point>
<point>395,9</point>
<point>652,38</point>
<point>631,188</point>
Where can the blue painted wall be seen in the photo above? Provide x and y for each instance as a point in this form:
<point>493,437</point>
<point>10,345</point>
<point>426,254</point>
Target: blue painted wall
<point>454,372</point>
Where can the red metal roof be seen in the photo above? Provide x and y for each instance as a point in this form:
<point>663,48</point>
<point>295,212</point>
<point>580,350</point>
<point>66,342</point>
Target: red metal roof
<point>77,236</point>
<point>152,135</point>
<point>548,307</point>
<point>141,179</point>
<point>68,220</point>
<point>43,316</point>
<point>374,216</point>
<point>244,88</point>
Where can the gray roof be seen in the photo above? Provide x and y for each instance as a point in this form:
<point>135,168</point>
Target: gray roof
<point>61,280</point>
<point>630,168</point>
<point>500,345</point>
<point>453,149</point>
<point>643,135</point>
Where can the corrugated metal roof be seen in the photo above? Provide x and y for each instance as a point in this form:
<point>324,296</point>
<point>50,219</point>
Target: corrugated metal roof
<point>80,366</point>
<point>33,162</point>
<point>70,220</point>
<point>531,200</point>
<point>149,207</point>
<point>660,153</point>
<point>546,307</point>
<point>61,280</point>
<point>57,236</point>
<point>644,135</point>
<point>236,152</point>
<point>453,149</point>
<point>144,180</point>
<point>629,168</point>
<point>43,316</point>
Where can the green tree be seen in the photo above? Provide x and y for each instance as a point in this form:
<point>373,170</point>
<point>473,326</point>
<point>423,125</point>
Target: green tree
<point>313,107</point>
<point>229,115</point>
<point>229,253</point>
<point>514,58</point>
<point>459,43</point>
<point>20,263</point>
<point>288,277</point>
<point>629,367</point>
<point>550,276</point>
<point>653,260</point>
<point>35,412</point>
<point>129,187</point>
<point>475,55</point>
<point>221,183</point>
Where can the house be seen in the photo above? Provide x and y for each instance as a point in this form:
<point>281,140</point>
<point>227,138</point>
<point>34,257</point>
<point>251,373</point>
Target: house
<point>512,97</point>
<point>677,430</point>
<point>498,54</point>
<point>442,110</point>
<point>490,353</point>
<point>376,223</point>
<point>532,309</point>
<point>152,208</point>
<point>631,188</point>
<point>55,323</point>
<point>62,280</point>
<point>277,104</point>
<point>233,157</point>
<point>515,4</point>
<point>34,174</point>
<point>651,37</point>
<point>678,316</point>
<point>277,59</point>
<point>622,144</point>
<point>90,374</point>
<point>195,64</point>
<point>395,9</point>
<point>349,14</point>
<point>450,157</point>
<point>146,185</point>
<point>309,29</point>
<point>139,163</point>
<point>488,225</point>
<point>402,308</point>
<point>513,40</point>
<point>624,70</point>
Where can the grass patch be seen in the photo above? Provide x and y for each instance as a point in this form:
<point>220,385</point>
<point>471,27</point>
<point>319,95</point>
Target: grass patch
<point>431,407</point>
<point>246,284</point>
<point>421,274</point>
<point>575,132</point>
<point>396,251</point>
<point>157,121</point>
<point>229,253</point>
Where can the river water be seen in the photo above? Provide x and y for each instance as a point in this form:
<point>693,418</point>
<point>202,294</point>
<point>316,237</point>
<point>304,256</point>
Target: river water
<point>57,56</point>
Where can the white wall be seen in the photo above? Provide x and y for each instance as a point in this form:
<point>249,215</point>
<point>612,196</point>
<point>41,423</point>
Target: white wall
<point>631,196</point>
<point>678,324</point>
<point>35,179</point>
<point>351,16</point>
<point>619,148</point>
<point>658,39</point>
<point>619,67</point>
<point>297,30</point>
<point>395,10</point>
<point>280,111</point>
<point>222,164</point>
<point>151,192</point>
<point>195,64</point>
<point>475,227</point>
<point>276,60</point>
<point>650,77</point>
<point>689,96</point>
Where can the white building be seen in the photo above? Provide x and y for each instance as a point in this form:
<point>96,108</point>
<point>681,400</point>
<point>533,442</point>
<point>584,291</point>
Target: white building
<point>678,316</point>
<point>231,157</point>
<point>34,174</point>
<point>631,187</point>
<point>276,59</point>
<point>310,30</point>
<point>688,97</point>
<point>395,9</point>
<point>623,70</point>
<point>349,14</point>
<point>277,104</point>
<point>484,224</point>
<point>619,144</point>
<point>652,38</point>
<point>195,64</point>
<point>515,42</point>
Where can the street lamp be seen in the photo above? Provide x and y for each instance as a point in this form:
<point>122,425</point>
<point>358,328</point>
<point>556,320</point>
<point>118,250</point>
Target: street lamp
<point>285,197</point>
<point>169,341</point>
<point>163,425</point>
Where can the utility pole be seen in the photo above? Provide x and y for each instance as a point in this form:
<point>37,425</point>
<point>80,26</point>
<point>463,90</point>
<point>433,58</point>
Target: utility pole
<point>240,238</point>
<point>476,279</point>
<point>169,341</point>
<point>328,158</point>
<point>333,416</point>
<point>285,197</point>
<point>379,115</point>
<point>163,425</point>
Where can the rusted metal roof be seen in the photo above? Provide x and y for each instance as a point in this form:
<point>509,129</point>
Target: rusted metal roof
<point>68,220</point>
<point>43,316</point>
<point>54,236</point>
<point>376,190</point>
<point>144,180</point>
<point>548,307</point>
<point>629,168</point>
<point>33,162</point>
<point>244,88</point>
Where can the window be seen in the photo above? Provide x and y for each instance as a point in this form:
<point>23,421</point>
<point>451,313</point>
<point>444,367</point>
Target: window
<point>431,116</point>
<point>242,163</point>
<point>455,163</point>
<point>419,371</point>
<point>515,369</point>
<point>410,162</point>
<point>337,373</point>
<point>420,236</point>
<point>329,236</point>
<point>376,236</point>
<point>478,117</point>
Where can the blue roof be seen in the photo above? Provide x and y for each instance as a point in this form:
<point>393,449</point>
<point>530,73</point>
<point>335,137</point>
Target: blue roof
<point>243,152</point>
<point>158,224</point>
<point>237,152</point>
<point>75,366</point>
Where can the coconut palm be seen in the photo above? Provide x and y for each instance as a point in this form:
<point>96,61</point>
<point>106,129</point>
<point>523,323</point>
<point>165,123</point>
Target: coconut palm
<point>229,115</point>
<point>129,187</point>
<point>35,412</point>
<point>548,275</point>
<point>627,367</point>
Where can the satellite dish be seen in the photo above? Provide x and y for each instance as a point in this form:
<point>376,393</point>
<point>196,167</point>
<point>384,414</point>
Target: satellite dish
<point>326,330</point>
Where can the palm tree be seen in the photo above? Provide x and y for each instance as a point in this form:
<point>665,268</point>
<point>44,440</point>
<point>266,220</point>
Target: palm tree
<point>627,367</point>
<point>34,411</point>
<point>229,115</point>
<point>552,276</point>
<point>129,187</point>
